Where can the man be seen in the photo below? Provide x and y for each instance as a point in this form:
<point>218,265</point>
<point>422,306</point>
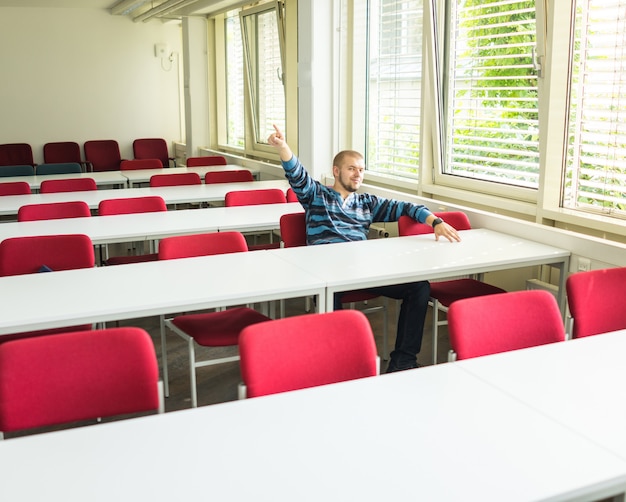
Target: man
<point>340,214</point>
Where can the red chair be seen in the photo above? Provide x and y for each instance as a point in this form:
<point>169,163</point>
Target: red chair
<point>502,322</point>
<point>103,155</point>
<point>254,198</point>
<point>77,376</point>
<point>444,293</point>
<point>147,204</point>
<point>62,152</point>
<point>45,253</point>
<point>176,179</point>
<point>153,148</point>
<point>15,188</point>
<point>53,211</point>
<point>235,176</point>
<point>68,185</point>
<point>293,234</point>
<point>211,160</point>
<point>596,301</point>
<point>291,195</point>
<point>306,351</point>
<point>16,154</point>
<point>129,165</point>
<point>213,329</point>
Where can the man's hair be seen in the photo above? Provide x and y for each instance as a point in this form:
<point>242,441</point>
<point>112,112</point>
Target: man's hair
<point>340,158</point>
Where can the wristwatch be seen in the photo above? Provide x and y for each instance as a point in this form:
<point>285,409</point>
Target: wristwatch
<point>436,222</point>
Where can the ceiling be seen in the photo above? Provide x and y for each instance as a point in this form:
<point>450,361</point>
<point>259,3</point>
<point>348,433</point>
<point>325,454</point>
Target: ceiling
<point>188,7</point>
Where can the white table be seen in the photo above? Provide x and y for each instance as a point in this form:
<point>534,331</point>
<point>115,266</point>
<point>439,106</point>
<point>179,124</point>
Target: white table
<point>578,383</point>
<point>435,434</point>
<point>102,294</point>
<point>10,204</point>
<point>139,176</point>
<point>102,179</point>
<point>154,226</point>
<point>379,262</point>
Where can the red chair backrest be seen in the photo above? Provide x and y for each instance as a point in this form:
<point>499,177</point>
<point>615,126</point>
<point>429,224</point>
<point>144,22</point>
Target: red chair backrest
<point>15,188</point>
<point>291,195</point>
<point>187,246</point>
<point>596,301</point>
<point>147,204</point>
<point>68,185</point>
<point>15,154</point>
<point>176,179</point>
<point>152,148</point>
<point>84,375</point>
<point>129,165</point>
<point>27,255</point>
<point>502,322</point>
<point>457,219</point>
<point>306,351</point>
<point>211,160</point>
<point>255,197</point>
<point>61,152</point>
<point>293,229</point>
<point>235,176</point>
<point>53,211</point>
<point>104,154</point>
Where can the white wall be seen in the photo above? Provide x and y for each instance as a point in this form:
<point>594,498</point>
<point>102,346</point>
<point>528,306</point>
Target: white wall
<point>80,74</point>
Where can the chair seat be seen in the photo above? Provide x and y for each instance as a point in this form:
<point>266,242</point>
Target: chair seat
<point>122,260</point>
<point>218,329</point>
<point>447,292</point>
<point>51,331</point>
<point>357,296</point>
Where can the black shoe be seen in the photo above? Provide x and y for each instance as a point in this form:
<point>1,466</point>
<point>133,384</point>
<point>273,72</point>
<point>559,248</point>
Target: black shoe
<point>393,366</point>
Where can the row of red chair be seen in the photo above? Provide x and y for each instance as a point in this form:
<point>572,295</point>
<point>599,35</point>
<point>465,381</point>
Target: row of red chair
<point>100,155</point>
<point>158,180</point>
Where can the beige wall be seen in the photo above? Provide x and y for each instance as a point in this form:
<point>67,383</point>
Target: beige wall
<point>80,74</point>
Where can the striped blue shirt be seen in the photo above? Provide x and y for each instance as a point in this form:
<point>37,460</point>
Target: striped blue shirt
<point>329,218</point>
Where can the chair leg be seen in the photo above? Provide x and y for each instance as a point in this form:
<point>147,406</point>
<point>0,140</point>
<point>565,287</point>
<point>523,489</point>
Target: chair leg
<point>435,328</point>
<point>166,382</point>
<point>192,373</point>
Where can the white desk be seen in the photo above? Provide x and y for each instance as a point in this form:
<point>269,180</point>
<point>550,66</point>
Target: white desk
<point>139,176</point>
<point>102,179</point>
<point>154,226</point>
<point>578,383</point>
<point>432,434</point>
<point>348,266</point>
<point>10,204</point>
<point>102,294</point>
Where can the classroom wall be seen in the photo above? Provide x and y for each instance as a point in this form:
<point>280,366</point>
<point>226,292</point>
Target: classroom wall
<point>80,74</point>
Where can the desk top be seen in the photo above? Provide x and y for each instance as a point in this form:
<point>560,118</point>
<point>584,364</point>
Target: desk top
<point>10,204</point>
<point>435,434</point>
<point>152,226</point>
<point>102,294</point>
<point>348,265</point>
<point>101,178</point>
<point>578,383</point>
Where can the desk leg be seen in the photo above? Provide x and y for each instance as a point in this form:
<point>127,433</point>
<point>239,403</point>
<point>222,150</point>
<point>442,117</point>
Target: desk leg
<point>562,297</point>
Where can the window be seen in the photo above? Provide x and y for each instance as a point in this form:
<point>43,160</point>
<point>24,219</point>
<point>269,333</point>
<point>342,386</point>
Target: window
<point>394,93</point>
<point>235,131</point>
<point>595,174</point>
<point>263,36</point>
<point>491,117</point>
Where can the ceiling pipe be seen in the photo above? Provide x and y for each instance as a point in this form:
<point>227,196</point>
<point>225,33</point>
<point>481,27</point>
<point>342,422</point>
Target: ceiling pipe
<point>164,8</point>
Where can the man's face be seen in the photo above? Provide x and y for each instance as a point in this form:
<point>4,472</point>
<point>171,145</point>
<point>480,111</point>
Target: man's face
<point>350,174</point>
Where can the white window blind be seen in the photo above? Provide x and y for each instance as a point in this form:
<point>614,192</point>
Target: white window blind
<point>596,157</point>
<point>394,92</point>
<point>235,130</point>
<point>491,103</point>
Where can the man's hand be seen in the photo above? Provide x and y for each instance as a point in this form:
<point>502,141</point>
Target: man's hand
<point>445,230</point>
<point>277,140</point>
